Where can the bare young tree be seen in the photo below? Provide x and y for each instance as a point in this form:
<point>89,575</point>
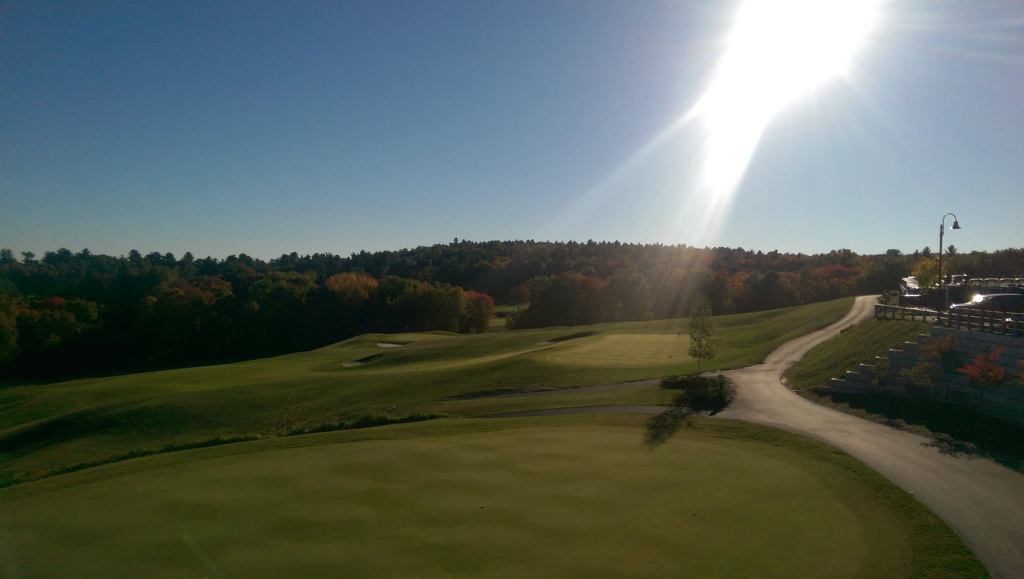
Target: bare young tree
<point>702,332</point>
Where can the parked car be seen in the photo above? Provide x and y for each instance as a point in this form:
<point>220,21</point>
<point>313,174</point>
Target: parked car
<point>995,303</point>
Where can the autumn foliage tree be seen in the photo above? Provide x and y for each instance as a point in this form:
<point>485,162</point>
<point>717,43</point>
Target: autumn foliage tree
<point>984,370</point>
<point>8,330</point>
<point>477,311</point>
<point>139,310</point>
<point>926,270</point>
<point>354,288</point>
<point>938,359</point>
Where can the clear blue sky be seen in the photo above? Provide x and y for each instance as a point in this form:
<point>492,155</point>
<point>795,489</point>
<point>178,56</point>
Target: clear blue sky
<point>271,127</point>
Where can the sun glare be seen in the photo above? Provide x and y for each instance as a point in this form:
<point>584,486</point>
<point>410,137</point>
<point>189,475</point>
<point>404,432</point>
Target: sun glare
<point>776,52</point>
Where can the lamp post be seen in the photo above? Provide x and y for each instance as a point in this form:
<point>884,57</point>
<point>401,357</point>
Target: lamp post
<point>942,230</point>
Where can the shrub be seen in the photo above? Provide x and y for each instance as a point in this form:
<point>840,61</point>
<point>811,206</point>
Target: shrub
<point>700,392</point>
<point>984,370</point>
<point>938,360</point>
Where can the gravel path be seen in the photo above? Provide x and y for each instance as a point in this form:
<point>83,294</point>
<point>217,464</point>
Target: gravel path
<point>980,499</point>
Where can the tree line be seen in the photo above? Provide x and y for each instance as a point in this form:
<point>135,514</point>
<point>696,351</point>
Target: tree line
<point>72,313</point>
<point>75,312</point>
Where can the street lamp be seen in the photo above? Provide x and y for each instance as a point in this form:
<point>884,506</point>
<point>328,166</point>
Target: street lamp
<point>942,230</point>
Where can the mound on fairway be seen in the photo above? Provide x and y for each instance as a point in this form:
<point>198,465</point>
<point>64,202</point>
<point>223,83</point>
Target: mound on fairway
<point>540,497</point>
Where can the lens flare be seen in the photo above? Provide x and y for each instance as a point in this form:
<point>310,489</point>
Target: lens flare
<point>777,52</point>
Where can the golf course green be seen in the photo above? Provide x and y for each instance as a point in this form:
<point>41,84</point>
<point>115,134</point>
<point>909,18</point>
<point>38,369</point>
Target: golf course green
<point>49,428</point>
<point>553,497</point>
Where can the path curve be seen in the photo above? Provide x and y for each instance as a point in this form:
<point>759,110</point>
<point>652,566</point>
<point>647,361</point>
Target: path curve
<point>978,498</point>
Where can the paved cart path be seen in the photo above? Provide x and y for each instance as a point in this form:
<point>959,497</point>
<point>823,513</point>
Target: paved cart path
<point>980,499</point>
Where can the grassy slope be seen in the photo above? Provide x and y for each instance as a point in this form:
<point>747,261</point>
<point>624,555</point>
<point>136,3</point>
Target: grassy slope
<point>62,424</point>
<point>861,343</point>
<point>953,427</point>
<point>558,496</point>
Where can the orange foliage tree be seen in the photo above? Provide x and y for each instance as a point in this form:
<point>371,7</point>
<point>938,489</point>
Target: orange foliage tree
<point>353,288</point>
<point>984,370</point>
<point>477,311</point>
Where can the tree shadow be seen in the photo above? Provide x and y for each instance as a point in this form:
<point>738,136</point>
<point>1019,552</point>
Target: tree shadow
<point>698,395</point>
<point>661,427</point>
<point>953,429</point>
<point>946,444</point>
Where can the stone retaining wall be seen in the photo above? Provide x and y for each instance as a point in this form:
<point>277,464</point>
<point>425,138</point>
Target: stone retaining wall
<point>889,374</point>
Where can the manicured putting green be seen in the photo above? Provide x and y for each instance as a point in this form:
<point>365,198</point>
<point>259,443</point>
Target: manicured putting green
<point>555,499</point>
<point>640,350</point>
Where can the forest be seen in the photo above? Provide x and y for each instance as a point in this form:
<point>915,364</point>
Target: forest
<point>71,313</point>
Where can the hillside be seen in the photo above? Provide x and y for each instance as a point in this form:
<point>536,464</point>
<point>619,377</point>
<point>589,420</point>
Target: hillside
<point>48,427</point>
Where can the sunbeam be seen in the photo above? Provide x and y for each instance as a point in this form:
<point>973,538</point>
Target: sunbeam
<point>777,52</point>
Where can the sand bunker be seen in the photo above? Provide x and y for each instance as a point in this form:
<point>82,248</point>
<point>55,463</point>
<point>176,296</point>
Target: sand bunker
<point>390,344</point>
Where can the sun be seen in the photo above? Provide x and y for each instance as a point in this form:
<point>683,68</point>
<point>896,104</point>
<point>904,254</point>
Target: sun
<point>776,52</point>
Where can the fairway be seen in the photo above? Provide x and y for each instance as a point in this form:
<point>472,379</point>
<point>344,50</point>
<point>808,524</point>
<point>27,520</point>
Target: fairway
<point>644,350</point>
<point>552,497</point>
<point>48,427</point>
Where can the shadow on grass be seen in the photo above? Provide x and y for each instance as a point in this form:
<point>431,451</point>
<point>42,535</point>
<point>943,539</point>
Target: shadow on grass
<point>10,478</point>
<point>953,429</point>
<point>573,336</point>
<point>698,394</point>
<point>661,427</point>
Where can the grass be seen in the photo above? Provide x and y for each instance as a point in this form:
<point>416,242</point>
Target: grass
<point>860,343</point>
<point>645,392</point>
<point>57,426</point>
<point>505,310</point>
<point>558,497</point>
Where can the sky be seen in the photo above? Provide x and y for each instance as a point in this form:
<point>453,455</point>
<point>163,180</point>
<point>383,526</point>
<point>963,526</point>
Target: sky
<point>271,127</point>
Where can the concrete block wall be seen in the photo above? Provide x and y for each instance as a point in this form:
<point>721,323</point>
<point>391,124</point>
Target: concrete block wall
<point>889,374</point>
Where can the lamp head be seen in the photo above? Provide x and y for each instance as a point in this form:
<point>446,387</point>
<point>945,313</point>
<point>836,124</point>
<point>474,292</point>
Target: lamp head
<point>956,224</point>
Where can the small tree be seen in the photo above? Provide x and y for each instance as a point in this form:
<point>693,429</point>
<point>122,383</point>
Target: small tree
<point>702,332</point>
<point>937,361</point>
<point>477,311</point>
<point>926,270</point>
<point>984,371</point>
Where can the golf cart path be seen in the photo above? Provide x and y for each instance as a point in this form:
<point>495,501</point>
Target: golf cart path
<point>980,499</point>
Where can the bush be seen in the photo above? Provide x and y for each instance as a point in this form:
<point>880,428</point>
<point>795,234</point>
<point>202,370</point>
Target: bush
<point>700,393</point>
